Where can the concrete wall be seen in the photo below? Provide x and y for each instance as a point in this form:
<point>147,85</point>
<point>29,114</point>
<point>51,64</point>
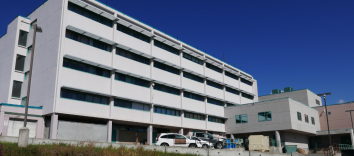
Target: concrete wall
<point>290,138</point>
<point>283,117</point>
<point>338,119</point>
<point>304,96</point>
<point>82,131</point>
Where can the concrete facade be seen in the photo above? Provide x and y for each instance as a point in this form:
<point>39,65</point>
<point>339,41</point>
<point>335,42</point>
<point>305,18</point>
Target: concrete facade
<point>304,96</point>
<point>50,77</point>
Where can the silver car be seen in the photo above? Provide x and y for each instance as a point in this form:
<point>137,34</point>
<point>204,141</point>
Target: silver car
<point>204,144</point>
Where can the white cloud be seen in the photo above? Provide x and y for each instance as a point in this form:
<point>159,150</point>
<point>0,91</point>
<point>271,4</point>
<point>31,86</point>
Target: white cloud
<point>341,101</point>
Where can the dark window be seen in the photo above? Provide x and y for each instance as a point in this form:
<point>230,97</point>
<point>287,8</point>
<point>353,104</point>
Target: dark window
<point>233,91</point>
<point>89,41</point>
<point>192,58</point>
<point>213,84</point>
<point>20,63</point>
<point>86,68</point>
<point>194,116</point>
<point>306,118</point>
<point>132,56</point>
<point>318,102</point>
<point>212,67</point>
<point>329,113</point>
<point>215,102</point>
<point>165,136</point>
<point>215,119</point>
<point>264,116</point>
<point>193,77</point>
<point>22,40</point>
<point>193,96</point>
<point>166,47</point>
<point>91,15</point>
<point>133,33</point>
<point>313,120</point>
<point>299,116</point>
<point>171,136</point>
<point>74,95</point>
<point>247,96</point>
<point>166,68</point>
<point>166,111</point>
<point>231,75</point>
<point>166,89</point>
<point>246,82</point>
<point>16,89</point>
<point>132,80</point>
<point>131,105</point>
<point>200,135</point>
<point>241,118</point>
<point>130,128</point>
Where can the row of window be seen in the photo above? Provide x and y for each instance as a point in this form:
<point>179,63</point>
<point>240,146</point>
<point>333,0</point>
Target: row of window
<point>193,77</point>
<point>166,68</point>
<point>86,68</point>
<point>91,15</point>
<point>231,75</point>
<point>192,58</point>
<point>89,41</point>
<point>74,95</point>
<point>166,47</point>
<point>215,119</point>
<point>132,56</point>
<point>131,105</point>
<point>306,118</point>
<point>193,96</point>
<point>233,91</point>
<point>132,80</point>
<point>166,89</point>
<point>262,116</point>
<point>216,85</point>
<point>133,33</point>
<point>20,63</point>
<point>246,82</point>
<point>167,111</point>
<point>212,67</point>
<point>194,116</point>
<point>215,102</point>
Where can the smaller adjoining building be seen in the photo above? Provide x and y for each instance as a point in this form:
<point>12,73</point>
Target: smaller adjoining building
<point>340,125</point>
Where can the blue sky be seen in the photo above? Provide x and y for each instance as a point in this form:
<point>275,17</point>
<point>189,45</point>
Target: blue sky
<point>302,44</point>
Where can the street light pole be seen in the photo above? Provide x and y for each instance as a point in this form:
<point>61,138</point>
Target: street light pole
<point>324,97</point>
<point>351,118</point>
<point>24,131</point>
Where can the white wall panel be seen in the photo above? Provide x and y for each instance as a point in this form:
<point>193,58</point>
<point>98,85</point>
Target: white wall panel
<point>75,107</point>
<point>89,25</point>
<point>87,52</point>
<point>192,66</point>
<point>232,97</point>
<point>86,81</point>
<point>166,99</point>
<point>193,105</point>
<point>215,109</point>
<point>245,100</point>
<point>131,66</point>
<point>167,77</point>
<point>167,120</point>
<point>193,85</point>
<point>131,91</point>
<point>166,55</point>
<point>231,81</point>
<point>216,92</point>
<point>131,42</point>
<point>194,123</point>
<point>213,126</point>
<point>18,76</point>
<point>130,115</point>
<point>213,74</point>
<point>246,87</point>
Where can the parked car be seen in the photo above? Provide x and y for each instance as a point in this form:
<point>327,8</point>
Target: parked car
<point>217,143</point>
<point>174,139</point>
<point>205,144</point>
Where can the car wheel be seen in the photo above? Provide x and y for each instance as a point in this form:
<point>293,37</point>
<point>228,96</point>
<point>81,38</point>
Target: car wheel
<point>205,146</point>
<point>164,144</point>
<point>218,145</point>
<point>192,145</point>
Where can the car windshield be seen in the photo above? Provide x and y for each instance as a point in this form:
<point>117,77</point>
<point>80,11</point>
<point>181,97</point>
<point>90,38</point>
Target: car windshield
<point>194,138</point>
<point>209,135</point>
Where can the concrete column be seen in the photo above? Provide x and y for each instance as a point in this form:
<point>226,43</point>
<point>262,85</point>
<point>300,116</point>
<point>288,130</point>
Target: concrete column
<point>149,134</point>
<point>109,127</point>
<point>53,126</point>
<point>206,121</point>
<point>182,117</point>
<point>352,136</point>
<point>180,131</point>
<point>2,124</point>
<point>277,138</point>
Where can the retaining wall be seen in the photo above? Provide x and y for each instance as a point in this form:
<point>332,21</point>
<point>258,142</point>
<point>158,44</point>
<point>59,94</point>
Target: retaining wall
<point>182,150</point>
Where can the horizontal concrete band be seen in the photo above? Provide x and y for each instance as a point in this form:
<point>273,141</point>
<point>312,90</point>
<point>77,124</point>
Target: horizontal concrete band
<point>181,150</point>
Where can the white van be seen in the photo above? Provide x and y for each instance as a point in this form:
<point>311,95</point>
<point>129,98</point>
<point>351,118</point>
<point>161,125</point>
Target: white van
<point>174,139</point>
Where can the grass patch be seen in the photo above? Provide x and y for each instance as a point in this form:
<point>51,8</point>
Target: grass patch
<point>11,149</point>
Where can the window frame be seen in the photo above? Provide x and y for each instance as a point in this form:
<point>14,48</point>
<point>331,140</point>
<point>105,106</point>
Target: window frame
<point>21,38</point>
<point>64,93</point>
<point>265,116</point>
<point>313,120</point>
<point>192,58</point>
<point>20,89</point>
<point>240,118</point>
<point>210,100</point>
<point>299,117</point>
<point>90,15</point>
<point>214,68</point>
<point>17,64</point>
<point>166,68</point>
<point>166,110</point>
<point>166,89</point>
<point>193,96</point>
<point>133,80</point>
<point>68,63</point>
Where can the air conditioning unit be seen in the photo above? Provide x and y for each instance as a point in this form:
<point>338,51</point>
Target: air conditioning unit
<point>288,89</point>
<point>276,91</point>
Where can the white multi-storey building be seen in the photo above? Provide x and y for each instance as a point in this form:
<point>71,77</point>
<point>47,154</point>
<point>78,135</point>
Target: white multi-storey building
<point>101,75</point>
